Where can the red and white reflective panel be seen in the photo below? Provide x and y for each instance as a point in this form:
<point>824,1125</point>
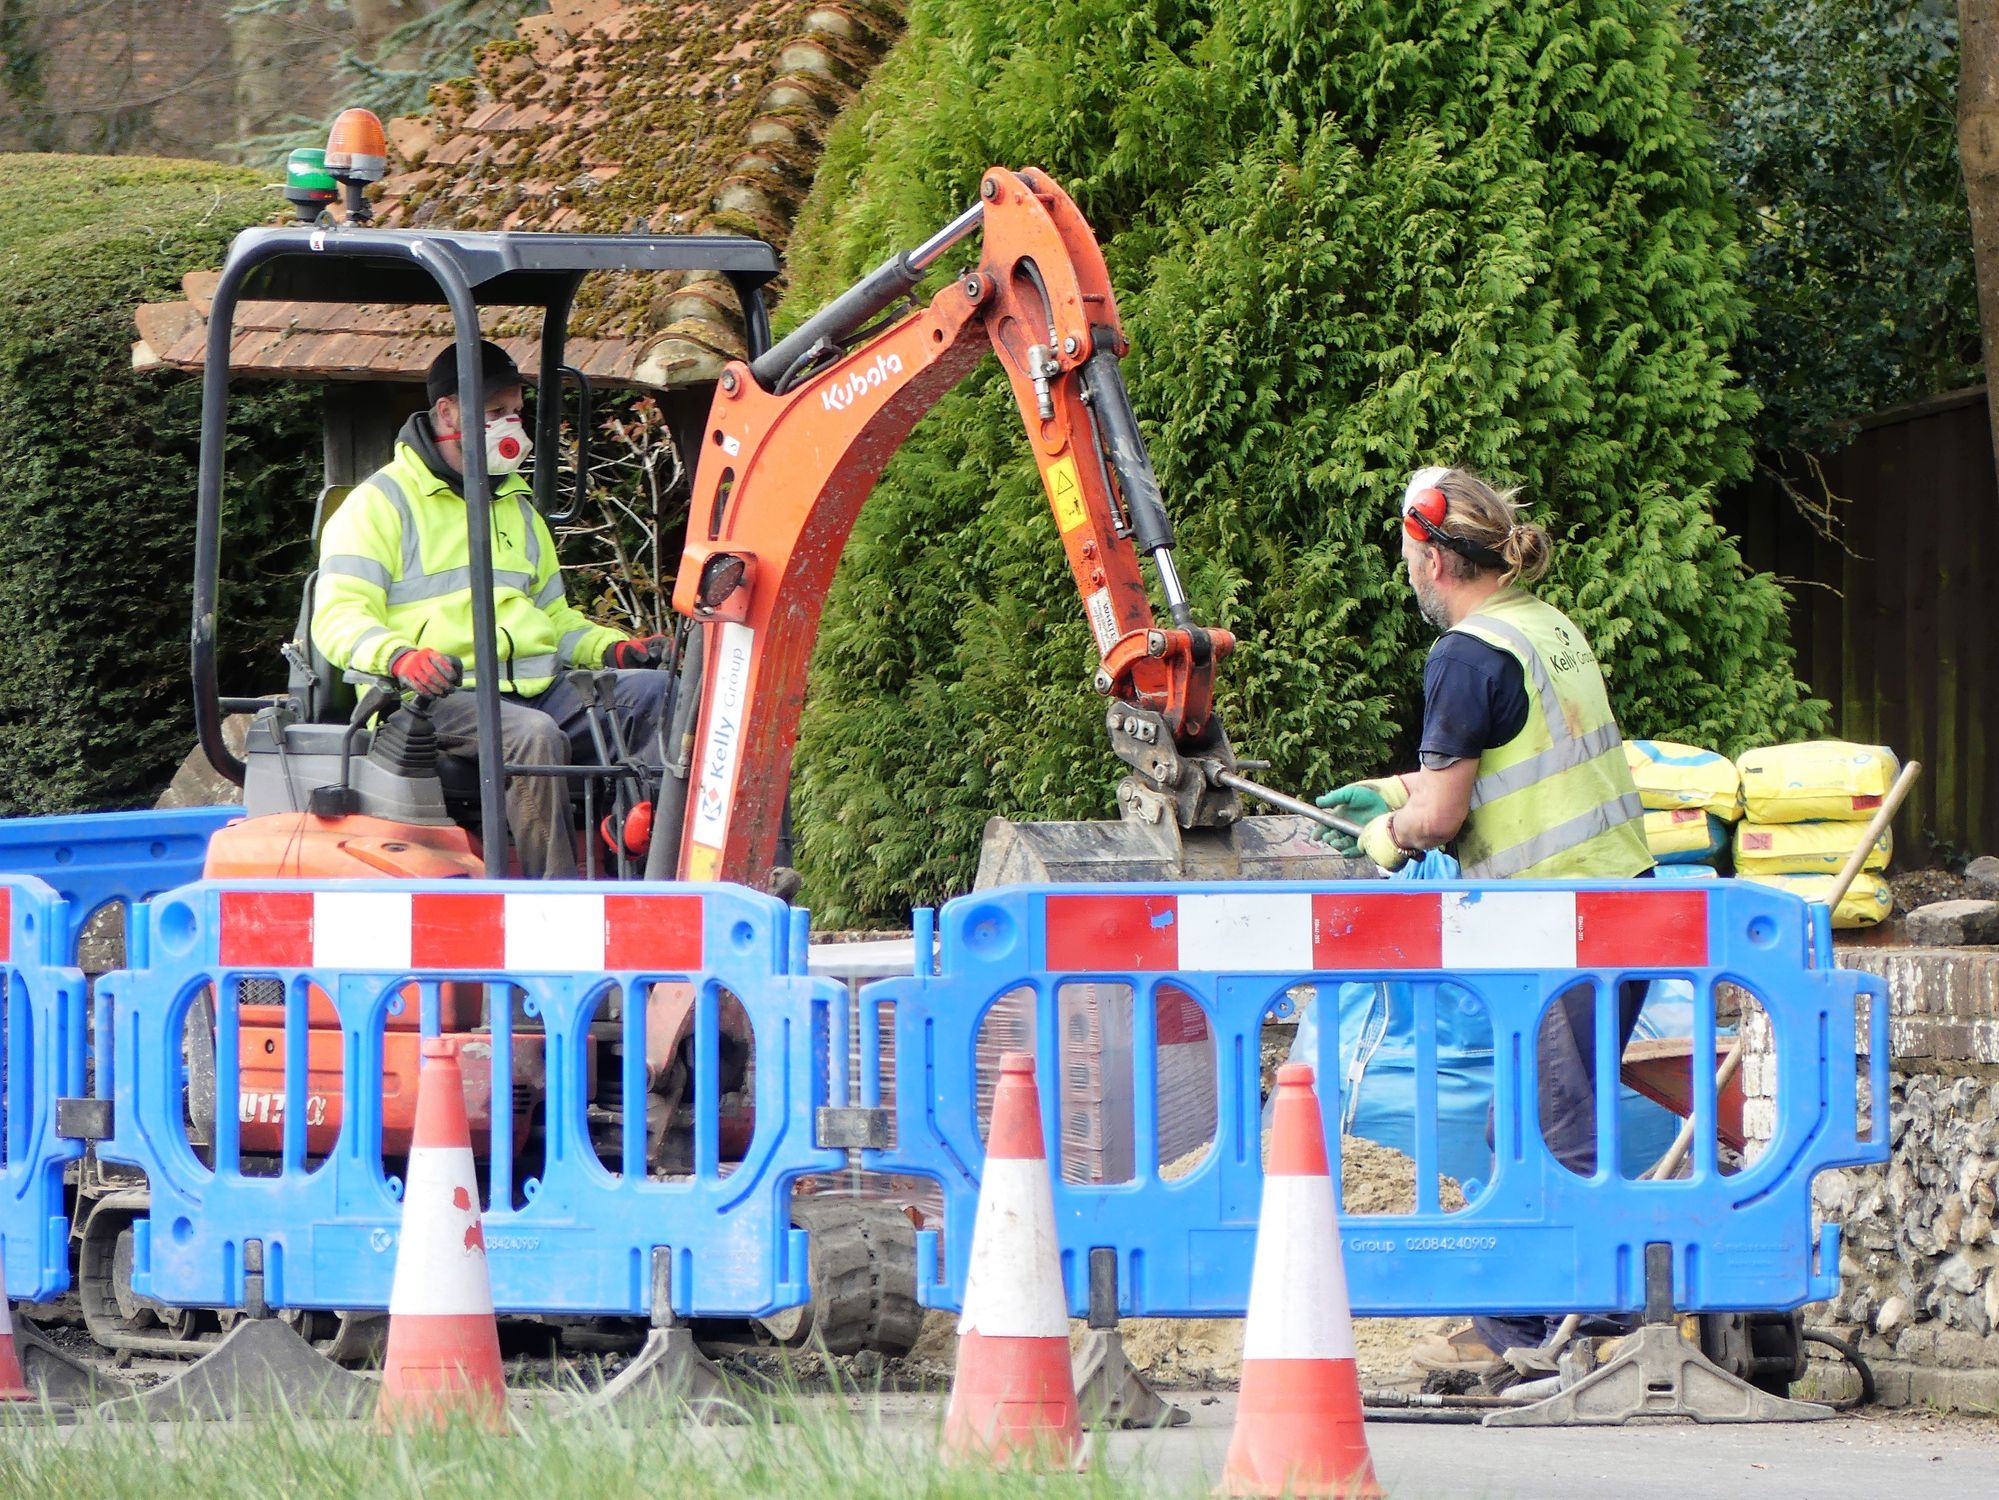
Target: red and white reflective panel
<point>1298,931</point>
<point>407,932</point>
<point>6,925</point>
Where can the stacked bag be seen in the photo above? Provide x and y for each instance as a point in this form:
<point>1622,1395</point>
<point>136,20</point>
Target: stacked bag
<point>1790,815</point>
<point>1691,796</point>
<point>1806,808</point>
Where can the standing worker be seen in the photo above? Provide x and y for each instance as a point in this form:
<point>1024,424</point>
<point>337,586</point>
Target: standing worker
<point>1522,769</point>
<point>394,599</point>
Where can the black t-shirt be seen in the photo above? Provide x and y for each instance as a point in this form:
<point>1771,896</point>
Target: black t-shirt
<point>1474,699</point>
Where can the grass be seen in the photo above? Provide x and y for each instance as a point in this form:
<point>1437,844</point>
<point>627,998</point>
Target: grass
<point>821,1446</point>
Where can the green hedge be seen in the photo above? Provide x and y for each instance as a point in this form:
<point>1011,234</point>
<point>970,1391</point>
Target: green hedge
<point>97,504</point>
<point>1349,237</point>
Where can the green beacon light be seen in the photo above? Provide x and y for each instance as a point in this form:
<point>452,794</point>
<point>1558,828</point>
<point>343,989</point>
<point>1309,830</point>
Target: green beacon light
<point>309,187</point>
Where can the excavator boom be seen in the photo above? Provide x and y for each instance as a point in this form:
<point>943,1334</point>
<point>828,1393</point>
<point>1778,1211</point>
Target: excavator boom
<point>793,446</point>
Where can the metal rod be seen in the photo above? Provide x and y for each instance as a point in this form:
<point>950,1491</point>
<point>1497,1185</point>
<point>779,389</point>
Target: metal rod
<point>1169,585</point>
<point>548,400</point>
<point>1290,804</point>
<point>669,813</point>
<point>1440,1401</point>
<point>925,255</point>
<point>577,773</point>
<point>893,278</point>
<point>479,530</point>
<point>208,507</point>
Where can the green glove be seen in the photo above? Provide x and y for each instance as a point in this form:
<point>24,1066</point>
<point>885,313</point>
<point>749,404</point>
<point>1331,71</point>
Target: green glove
<point>1360,802</point>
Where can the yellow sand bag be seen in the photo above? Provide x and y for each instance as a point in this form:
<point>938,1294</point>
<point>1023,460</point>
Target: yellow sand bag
<point>1683,835</point>
<point>1867,901</point>
<point>1671,775</point>
<point>1820,779</point>
<point>1805,848</point>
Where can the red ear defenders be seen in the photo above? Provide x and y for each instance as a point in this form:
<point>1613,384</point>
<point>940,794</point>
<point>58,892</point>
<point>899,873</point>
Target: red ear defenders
<point>1423,519</point>
<point>1423,516</point>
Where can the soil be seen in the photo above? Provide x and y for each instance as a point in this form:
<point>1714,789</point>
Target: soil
<point>1206,1353</point>
<point>1914,888</point>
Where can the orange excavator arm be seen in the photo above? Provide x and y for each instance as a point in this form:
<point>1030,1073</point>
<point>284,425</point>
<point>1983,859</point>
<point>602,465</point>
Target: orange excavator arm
<point>794,444</point>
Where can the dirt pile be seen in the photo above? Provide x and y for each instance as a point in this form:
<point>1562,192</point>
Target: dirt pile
<point>1206,1352</point>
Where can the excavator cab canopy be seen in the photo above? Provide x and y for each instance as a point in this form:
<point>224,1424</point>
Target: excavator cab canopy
<point>462,270</point>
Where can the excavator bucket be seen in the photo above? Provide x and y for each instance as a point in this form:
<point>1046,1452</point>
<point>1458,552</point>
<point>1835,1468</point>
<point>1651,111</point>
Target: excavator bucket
<point>1278,847</point>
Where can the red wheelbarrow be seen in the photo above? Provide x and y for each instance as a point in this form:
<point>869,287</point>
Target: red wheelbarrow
<point>1658,1069</point>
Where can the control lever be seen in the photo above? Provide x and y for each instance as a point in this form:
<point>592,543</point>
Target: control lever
<point>337,801</point>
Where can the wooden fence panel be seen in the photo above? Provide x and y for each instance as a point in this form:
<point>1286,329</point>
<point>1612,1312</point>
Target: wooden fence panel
<point>1896,627</point>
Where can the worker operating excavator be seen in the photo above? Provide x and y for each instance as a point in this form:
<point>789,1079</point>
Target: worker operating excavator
<point>1523,773</point>
<point>395,600</point>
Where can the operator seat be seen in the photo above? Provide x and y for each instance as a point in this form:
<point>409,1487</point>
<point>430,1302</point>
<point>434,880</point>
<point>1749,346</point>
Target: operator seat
<point>324,694</point>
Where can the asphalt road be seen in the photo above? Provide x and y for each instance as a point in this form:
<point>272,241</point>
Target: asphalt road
<point>1861,1458</point>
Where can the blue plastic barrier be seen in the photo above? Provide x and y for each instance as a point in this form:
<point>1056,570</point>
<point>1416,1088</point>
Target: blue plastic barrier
<point>41,1056</point>
<point>95,859</point>
<point>565,1235</point>
<point>1538,1238</point>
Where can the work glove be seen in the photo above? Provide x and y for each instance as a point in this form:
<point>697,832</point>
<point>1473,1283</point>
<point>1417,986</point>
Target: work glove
<point>1360,802</point>
<point>1377,842</point>
<point>640,653</point>
<point>431,673</point>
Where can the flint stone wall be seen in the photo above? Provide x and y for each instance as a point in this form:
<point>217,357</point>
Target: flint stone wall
<point>1919,1258</point>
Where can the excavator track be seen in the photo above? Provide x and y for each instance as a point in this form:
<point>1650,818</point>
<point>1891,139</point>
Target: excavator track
<point>862,1272</point>
<point>122,1322</point>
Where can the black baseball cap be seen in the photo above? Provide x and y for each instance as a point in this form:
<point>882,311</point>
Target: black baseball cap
<point>497,371</point>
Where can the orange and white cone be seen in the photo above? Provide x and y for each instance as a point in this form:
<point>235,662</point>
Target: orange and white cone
<point>13,1381</point>
<point>1298,1420</point>
<point>444,1343</point>
<point>1013,1396</point>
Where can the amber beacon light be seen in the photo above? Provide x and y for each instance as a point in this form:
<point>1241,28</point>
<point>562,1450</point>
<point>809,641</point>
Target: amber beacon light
<point>357,153</point>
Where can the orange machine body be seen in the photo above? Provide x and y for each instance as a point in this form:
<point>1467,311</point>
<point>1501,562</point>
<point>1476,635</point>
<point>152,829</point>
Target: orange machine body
<point>782,477</point>
<point>298,846</point>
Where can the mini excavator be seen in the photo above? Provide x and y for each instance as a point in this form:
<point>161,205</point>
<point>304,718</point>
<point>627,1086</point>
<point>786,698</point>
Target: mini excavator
<point>340,783</point>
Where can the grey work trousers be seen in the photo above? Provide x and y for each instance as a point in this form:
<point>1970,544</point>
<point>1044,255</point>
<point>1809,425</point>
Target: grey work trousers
<point>552,729</point>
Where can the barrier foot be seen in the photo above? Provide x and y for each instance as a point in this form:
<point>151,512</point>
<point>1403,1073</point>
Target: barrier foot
<point>1658,1375</point>
<point>1111,1392</point>
<point>60,1378</point>
<point>669,1371</point>
<point>260,1367</point>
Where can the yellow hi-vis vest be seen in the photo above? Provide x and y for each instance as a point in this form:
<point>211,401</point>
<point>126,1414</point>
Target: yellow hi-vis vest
<point>395,572</point>
<point>1555,802</point>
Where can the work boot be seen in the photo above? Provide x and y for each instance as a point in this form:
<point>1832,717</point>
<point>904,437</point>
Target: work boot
<point>1456,1351</point>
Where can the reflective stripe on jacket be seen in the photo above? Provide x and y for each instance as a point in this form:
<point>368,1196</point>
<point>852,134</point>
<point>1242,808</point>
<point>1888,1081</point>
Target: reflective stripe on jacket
<point>395,572</point>
<point>1555,802</point>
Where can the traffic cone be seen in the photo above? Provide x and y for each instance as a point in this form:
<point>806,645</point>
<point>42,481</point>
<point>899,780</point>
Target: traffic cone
<point>1013,1396</point>
<point>13,1382</point>
<point>1298,1420</point>
<point>444,1343</point>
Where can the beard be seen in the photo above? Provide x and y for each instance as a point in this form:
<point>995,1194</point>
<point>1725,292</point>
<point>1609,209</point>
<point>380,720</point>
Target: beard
<point>1430,604</point>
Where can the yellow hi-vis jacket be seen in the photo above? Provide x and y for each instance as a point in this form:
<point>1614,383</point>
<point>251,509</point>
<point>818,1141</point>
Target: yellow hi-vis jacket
<point>1555,802</point>
<point>395,572</point>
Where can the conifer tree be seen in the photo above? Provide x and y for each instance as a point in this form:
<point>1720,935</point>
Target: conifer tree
<point>1349,237</point>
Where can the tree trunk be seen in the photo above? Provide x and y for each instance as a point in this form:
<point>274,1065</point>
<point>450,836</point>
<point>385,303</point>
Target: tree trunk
<point>375,19</point>
<point>1978,152</point>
